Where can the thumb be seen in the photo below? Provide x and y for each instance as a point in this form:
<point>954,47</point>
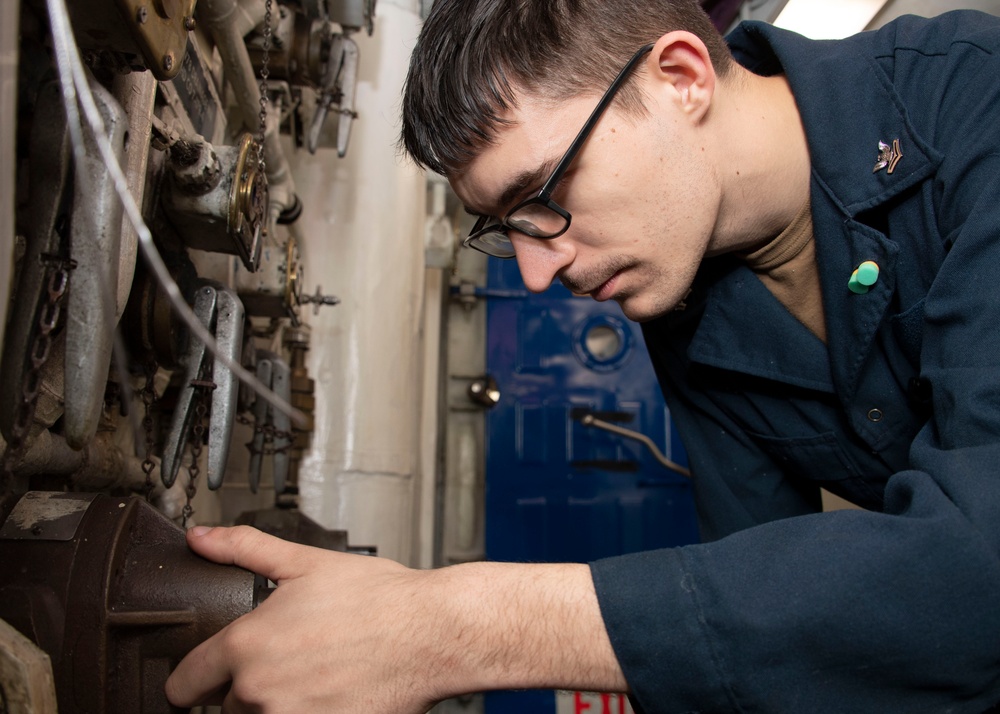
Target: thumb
<point>249,548</point>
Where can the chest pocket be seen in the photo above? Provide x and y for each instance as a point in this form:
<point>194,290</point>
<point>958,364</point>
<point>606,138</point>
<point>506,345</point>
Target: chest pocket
<point>908,331</point>
<point>823,460</point>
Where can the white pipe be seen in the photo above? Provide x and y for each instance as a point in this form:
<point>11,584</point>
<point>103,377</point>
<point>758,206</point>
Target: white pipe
<point>362,228</point>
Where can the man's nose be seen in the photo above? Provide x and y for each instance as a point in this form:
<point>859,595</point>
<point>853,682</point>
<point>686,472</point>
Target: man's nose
<point>540,260</point>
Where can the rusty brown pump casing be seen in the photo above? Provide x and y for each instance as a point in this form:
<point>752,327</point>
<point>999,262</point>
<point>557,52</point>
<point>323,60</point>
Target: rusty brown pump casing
<point>109,589</point>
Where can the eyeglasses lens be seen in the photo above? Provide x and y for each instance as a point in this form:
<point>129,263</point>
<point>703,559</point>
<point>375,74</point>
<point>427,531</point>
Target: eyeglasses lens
<point>537,220</point>
<point>493,243</point>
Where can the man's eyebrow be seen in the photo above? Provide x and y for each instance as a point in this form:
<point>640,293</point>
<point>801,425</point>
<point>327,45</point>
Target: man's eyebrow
<point>515,188</point>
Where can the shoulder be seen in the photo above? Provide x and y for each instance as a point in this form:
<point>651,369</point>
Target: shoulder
<point>943,34</point>
<point>765,49</point>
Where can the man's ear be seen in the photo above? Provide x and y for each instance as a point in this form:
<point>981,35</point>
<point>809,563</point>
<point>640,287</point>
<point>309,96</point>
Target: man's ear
<point>681,66</point>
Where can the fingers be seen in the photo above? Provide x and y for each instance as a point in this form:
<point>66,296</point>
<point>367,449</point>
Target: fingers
<point>202,677</point>
<point>248,548</point>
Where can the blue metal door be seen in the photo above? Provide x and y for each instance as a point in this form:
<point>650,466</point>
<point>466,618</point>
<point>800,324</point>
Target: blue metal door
<point>558,490</point>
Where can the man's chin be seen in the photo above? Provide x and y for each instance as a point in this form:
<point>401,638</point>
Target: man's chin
<point>638,310</point>
<point>634,310</point>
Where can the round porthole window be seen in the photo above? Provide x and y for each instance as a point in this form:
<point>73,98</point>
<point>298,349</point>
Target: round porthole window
<point>603,342</point>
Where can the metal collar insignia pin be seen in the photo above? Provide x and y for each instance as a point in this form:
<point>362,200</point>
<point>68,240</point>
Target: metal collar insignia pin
<point>888,156</point>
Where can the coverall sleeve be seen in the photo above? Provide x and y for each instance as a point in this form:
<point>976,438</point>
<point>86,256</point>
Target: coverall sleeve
<point>850,611</point>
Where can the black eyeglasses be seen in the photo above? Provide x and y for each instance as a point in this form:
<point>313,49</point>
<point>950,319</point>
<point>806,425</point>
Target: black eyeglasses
<point>540,216</point>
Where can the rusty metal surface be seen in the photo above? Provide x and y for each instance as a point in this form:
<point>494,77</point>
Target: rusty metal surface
<point>146,34</point>
<point>43,515</point>
<point>118,605</point>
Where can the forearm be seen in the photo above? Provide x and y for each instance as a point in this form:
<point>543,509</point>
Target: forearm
<point>346,633</point>
<point>516,626</point>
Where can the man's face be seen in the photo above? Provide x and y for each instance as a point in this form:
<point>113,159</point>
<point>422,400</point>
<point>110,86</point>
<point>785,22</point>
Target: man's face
<point>643,197</point>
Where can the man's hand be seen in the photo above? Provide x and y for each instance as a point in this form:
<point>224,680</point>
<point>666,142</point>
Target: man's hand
<point>350,633</point>
<point>336,635</point>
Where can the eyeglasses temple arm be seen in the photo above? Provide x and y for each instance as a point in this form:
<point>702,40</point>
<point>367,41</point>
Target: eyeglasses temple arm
<point>546,190</point>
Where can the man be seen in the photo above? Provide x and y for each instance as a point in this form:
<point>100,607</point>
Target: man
<point>811,236</point>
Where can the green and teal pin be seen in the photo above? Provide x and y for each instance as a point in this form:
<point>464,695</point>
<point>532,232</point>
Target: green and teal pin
<point>863,278</point>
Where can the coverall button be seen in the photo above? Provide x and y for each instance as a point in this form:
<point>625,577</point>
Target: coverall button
<point>875,415</point>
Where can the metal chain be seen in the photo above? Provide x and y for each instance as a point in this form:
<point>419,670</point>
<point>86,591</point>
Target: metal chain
<point>264,73</point>
<point>31,382</point>
<point>148,395</point>
<point>194,470</point>
<point>271,434</point>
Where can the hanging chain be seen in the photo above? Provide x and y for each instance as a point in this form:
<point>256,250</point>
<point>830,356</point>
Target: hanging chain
<point>271,434</point>
<point>197,436</point>
<point>264,73</point>
<point>31,383</point>
<point>148,395</point>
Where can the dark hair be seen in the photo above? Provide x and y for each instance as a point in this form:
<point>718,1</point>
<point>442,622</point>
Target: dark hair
<point>472,55</point>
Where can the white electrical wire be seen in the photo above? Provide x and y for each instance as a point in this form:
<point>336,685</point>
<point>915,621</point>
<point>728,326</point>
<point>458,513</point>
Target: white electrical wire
<point>75,88</point>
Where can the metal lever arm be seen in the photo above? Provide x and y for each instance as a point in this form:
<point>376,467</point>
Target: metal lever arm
<point>591,420</point>
<point>282,386</point>
<point>260,412</point>
<point>180,425</point>
<point>339,81</point>
<point>221,312</point>
<point>94,245</point>
<point>229,337</point>
<point>274,372</point>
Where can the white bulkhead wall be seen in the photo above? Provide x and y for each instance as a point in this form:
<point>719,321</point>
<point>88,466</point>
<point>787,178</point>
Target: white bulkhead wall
<point>362,240</point>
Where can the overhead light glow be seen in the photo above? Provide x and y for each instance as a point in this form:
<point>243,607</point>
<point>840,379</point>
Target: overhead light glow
<point>828,19</point>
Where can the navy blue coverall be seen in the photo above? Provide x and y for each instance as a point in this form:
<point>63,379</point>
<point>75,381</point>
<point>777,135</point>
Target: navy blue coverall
<point>891,609</point>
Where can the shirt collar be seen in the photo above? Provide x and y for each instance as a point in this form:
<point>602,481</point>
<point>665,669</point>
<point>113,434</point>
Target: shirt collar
<point>847,106</point>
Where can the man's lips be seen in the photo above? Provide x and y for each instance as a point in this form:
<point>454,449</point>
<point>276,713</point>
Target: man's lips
<point>605,290</point>
<point>583,284</point>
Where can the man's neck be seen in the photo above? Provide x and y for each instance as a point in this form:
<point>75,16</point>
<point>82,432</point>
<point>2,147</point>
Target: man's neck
<point>762,159</point>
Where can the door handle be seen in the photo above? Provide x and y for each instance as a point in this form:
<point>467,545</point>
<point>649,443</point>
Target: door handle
<point>591,420</point>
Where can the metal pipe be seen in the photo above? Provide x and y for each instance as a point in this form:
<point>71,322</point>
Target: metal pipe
<point>249,14</point>
<point>222,19</point>
<point>101,465</point>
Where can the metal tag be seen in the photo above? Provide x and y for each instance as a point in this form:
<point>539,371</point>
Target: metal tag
<point>42,515</point>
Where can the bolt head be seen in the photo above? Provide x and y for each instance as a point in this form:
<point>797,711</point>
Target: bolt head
<point>189,23</point>
<point>168,61</point>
